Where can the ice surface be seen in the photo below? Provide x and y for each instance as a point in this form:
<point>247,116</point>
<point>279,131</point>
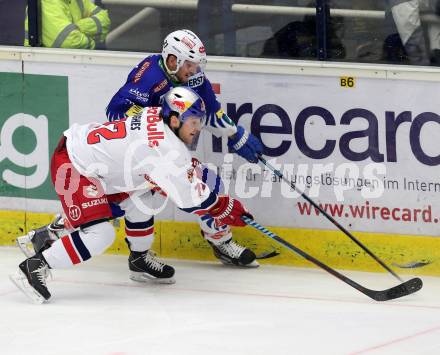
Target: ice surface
<point>214,309</point>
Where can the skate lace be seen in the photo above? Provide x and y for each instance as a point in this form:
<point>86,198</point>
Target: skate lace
<point>47,274</point>
<point>153,262</point>
<point>42,273</point>
<point>231,249</point>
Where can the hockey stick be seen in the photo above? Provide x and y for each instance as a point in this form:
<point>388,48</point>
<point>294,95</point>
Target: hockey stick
<point>330,218</point>
<point>413,264</point>
<point>403,289</point>
<point>267,255</point>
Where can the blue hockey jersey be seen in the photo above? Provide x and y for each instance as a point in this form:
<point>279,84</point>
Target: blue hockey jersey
<point>148,82</point>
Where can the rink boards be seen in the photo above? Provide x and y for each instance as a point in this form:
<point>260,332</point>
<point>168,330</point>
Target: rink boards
<point>361,140</point>
<point>182,240</point>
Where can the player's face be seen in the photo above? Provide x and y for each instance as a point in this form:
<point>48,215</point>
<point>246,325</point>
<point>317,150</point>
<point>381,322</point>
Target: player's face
<point>187,70</point>
<point>190,130</point>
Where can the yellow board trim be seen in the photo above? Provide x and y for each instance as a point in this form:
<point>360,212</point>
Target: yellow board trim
<point>182,240</point>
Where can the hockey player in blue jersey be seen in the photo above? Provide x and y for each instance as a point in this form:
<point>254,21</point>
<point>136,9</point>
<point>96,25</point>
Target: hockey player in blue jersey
<point>182,62</point>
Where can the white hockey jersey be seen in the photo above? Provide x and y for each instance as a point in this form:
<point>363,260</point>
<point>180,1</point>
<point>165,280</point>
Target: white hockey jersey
<point>138,153</point>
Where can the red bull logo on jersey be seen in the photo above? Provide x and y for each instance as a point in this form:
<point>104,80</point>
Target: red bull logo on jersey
<point>154,132</point>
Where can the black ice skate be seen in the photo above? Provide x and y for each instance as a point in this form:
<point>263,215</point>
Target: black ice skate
<point>41,238</point>
<point>144,267</point>
<point>231,253</point>
<point>30,278</point>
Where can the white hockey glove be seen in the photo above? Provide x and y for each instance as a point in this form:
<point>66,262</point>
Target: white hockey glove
<point>219,124</point>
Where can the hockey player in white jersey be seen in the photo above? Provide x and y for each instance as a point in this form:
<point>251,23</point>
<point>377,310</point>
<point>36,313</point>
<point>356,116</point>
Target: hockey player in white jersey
<point>128,161</point>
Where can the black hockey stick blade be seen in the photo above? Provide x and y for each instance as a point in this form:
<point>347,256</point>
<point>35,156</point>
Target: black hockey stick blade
<point>329,218</point>
<point>267,255</point>
<point>404,289</point>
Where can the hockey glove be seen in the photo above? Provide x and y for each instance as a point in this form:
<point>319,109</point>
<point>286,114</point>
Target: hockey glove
<point>246,145</point>
<point>220,125</point>
<point>134,110</point>
<point>228,211</point>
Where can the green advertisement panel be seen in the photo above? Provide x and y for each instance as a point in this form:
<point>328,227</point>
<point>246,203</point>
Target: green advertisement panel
<point>34,112</point>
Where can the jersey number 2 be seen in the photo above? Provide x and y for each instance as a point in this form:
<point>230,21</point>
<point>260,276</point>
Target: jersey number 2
<point>109,130</point>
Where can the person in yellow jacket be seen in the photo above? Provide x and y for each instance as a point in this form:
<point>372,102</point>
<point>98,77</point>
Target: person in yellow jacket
<point>71,24</point>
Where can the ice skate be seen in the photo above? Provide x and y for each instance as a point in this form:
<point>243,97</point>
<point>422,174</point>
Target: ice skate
<point>31,277</point>
<point>232,253</point>
<point>144,267</point>
<point>41,238</point>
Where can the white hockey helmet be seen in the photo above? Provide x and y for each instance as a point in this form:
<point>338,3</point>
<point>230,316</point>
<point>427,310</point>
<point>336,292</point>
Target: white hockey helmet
<point>185,45</point>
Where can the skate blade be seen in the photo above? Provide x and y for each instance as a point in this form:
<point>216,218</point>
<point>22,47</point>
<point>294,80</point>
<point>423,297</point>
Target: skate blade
<point>254,264</point>
<point>25,244</point>
<point>143,277</point>
<point>251,265</point>
<point>20,280</point>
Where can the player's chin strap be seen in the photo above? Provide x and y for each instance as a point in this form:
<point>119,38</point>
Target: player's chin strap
<point>170,73</point>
